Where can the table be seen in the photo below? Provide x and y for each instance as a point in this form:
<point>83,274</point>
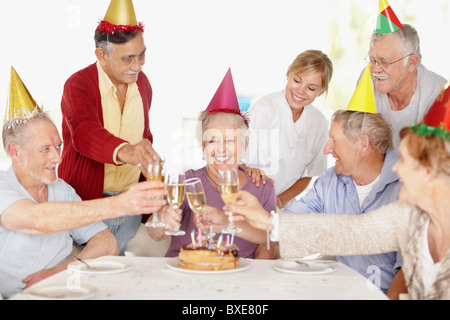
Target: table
<point>150,278</point>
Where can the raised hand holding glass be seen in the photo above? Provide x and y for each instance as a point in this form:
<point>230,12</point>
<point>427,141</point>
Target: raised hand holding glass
<point>229,188</point>
<point>175,184</point>
<point>155,171</point>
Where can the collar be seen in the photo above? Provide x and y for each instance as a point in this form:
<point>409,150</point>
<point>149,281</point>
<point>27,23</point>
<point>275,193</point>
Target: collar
<point>107,87</point>
<point>386,175</point>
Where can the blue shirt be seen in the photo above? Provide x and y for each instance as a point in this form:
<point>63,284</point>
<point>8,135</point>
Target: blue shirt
<point>336,193</point>
<point>24,254</point>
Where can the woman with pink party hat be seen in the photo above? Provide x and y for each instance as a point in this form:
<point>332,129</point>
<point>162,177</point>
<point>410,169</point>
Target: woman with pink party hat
<point>224,137</point>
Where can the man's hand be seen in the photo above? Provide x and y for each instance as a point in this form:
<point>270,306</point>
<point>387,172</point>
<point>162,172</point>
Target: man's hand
<point>140,154</point>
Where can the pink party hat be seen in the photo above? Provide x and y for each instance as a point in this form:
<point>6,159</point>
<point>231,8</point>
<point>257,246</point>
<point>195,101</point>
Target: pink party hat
<point>225,98</point>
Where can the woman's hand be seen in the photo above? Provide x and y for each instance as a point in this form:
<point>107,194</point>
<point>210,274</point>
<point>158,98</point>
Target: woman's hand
<point>248,208</point>
<point>257,175</point>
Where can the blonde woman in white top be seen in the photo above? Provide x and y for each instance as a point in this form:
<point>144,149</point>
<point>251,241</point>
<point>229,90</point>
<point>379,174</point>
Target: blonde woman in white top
<point>287,132</point>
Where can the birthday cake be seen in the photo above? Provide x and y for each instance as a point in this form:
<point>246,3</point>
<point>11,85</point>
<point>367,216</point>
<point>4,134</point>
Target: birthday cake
<point>205,258</point>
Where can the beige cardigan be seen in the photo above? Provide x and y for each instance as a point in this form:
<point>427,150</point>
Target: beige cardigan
<point>396,226</point>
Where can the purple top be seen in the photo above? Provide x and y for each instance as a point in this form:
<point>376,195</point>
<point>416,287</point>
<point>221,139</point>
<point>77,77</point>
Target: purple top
<point>265,193</point>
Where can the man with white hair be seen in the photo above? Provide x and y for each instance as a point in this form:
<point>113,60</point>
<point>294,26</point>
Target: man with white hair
<point>41,216</point>
<point>404,88</point>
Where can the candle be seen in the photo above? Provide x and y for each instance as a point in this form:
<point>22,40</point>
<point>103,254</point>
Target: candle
<point>232,238</point>
<point>219,242</point>
<point>227,244</point>
<point>199,238</point>
<point>210,238</point>
<point>193,238</point>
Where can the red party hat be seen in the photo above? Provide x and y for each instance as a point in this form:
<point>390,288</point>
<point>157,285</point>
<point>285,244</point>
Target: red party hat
<point>437,120</point>
<point>225,98</point>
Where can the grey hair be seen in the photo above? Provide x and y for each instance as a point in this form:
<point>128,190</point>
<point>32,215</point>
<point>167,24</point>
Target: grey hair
<point>106,46</point>
<point>15,133</point>
<point>235,120</point>
<point>354,124</point>
<point>408,35</point>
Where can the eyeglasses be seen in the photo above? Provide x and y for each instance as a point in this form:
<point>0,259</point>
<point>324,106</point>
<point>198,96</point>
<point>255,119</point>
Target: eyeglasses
<point>383,63</point>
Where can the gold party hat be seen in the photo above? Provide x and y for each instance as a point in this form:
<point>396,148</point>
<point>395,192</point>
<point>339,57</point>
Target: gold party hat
<point>21,105</point>
<point>120,17</point>
<point>121,12</point>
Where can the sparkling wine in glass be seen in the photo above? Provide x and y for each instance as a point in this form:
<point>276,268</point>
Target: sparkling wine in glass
<point>175,183</point>
<point>155,172</point>
<point>229,188</point>
<point>195,195</point>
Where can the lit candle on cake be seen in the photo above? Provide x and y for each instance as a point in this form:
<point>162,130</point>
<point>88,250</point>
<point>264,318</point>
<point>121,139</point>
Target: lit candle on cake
<point>219,242</point>
<point>210,237</point>
<point>193,238</point>
<point>199,238</point>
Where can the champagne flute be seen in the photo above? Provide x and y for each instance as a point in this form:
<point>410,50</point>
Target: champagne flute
<point>195,195</point>
<point>174,183</point>
<point>229,188</point>
<point>155,171</point>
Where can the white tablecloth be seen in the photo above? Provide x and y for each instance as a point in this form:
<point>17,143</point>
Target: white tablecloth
<point>150,278</point>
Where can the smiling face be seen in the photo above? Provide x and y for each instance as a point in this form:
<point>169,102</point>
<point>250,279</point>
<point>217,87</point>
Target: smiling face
<point>342,149</point>
<point>389,78</point>
<point>124,61</point>
<point>302,89</point>
<point>223,142</point>
<point>39,152</point>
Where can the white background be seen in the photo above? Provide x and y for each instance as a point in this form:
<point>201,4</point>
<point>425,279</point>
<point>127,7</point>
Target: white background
<point>192,43</point>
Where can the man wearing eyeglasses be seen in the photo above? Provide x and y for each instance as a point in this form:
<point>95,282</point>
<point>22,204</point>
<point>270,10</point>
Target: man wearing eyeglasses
<point>405,89</point>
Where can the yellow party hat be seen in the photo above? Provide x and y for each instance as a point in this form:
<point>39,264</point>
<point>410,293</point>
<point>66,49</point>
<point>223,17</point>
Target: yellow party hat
<point>120,17</point>
<point>21,105</point>
<point>363,99</point>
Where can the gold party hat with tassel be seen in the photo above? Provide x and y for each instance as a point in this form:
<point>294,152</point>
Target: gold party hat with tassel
<point>20,106</point>
<point>120,17</point>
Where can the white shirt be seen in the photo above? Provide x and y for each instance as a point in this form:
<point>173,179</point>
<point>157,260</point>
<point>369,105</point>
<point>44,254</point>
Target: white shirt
<point>430,269</point>
<point>363,191</point>
<point>286,150</point>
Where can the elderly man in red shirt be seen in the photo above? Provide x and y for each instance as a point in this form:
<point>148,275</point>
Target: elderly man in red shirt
<point>105,108</point>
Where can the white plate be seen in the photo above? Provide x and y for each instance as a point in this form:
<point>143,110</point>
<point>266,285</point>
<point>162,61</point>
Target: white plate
<point>62,292</point>
<point>174,264</point>
<point>102,266</point>
<point>311,267</point>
